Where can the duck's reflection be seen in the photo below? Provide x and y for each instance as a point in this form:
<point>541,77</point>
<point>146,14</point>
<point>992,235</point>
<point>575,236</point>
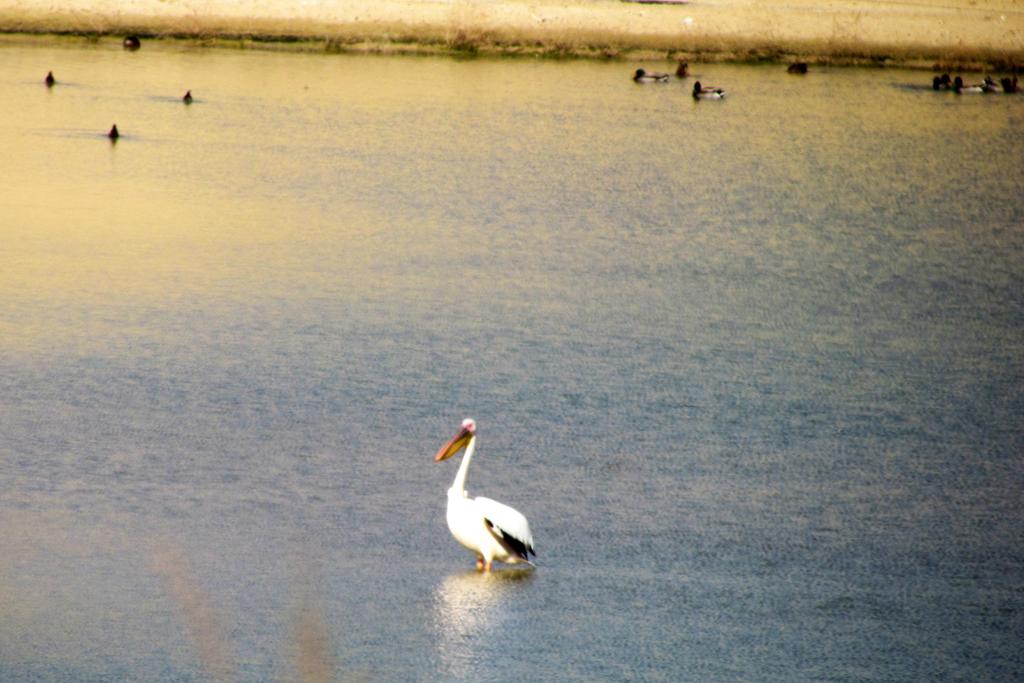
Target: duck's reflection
<point>470,609</point>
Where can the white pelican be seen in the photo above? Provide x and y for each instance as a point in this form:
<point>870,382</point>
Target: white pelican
<point>490,530</point>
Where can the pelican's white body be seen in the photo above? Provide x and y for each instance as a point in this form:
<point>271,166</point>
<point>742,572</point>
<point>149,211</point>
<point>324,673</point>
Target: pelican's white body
<point>466,522</point>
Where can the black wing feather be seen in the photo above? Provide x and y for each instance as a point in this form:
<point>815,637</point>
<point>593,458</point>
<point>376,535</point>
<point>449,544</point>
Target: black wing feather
<point>514,544</point>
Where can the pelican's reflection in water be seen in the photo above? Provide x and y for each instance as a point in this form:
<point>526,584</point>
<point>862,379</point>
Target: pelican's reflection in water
<point>472,615</point>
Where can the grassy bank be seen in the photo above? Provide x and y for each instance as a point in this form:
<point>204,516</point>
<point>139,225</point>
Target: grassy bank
<point>842,45</point>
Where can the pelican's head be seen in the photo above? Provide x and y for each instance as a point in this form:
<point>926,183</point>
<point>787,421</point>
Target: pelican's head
<point>458,442</point>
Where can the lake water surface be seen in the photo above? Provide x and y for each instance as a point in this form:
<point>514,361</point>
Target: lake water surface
<point>754,370</point>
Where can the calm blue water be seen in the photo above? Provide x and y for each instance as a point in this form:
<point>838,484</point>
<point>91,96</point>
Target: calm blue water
<point>754,370</point>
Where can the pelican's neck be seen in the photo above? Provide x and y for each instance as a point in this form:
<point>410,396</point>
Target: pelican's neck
<point>459,485</point>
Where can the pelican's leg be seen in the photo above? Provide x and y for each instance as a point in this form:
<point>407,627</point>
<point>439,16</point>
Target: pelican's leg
<point>479,563</point>
<point>487,567</point>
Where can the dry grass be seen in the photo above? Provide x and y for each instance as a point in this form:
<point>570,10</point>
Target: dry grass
<point>464,33</point>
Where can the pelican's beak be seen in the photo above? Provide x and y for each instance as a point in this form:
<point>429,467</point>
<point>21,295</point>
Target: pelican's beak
<point>458,442</point>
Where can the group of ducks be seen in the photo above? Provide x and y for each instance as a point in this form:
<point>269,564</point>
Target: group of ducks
<point>130,43</point>
<point>943,82</point>
<point>957,85</point>
<point>700,92</point>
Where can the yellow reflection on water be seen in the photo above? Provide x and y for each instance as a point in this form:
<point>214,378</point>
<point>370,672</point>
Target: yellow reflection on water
<point>193,209</point>
<point>301,176</point>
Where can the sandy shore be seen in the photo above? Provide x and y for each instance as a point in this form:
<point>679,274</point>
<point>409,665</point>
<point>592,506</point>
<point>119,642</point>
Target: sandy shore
<point>910,32</point>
